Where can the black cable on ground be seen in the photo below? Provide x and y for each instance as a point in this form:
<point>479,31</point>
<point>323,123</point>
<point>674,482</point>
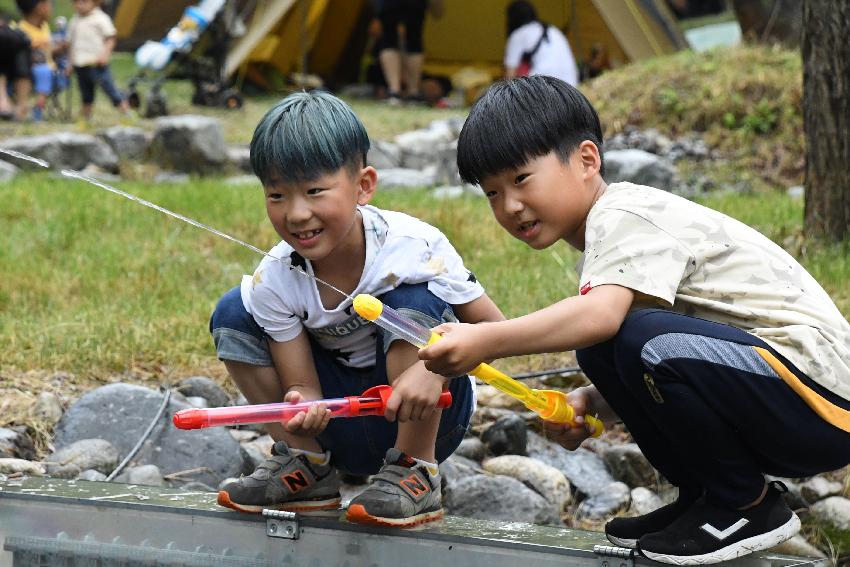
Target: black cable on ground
<point>165,399</point>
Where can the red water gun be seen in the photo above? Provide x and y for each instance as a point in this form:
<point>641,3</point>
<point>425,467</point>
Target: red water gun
<point>371,402</point>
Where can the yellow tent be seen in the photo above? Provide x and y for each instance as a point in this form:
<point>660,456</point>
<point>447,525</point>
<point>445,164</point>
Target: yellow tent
<point>327,36</point>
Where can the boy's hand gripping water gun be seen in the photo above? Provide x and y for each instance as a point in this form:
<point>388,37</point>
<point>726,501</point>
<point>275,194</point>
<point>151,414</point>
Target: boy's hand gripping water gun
<point>551,405</point>
<point>372,402</point>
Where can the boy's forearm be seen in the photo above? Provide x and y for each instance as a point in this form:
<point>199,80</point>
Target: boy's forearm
<point>570,324</point>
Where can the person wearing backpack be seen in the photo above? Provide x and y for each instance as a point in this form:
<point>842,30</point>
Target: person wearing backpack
<point>536,48</point>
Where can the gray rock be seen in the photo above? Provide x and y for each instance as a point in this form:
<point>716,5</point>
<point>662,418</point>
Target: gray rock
<point>833,511</point>
<point>7,170</point>
<point>13,466</point>
<point>239,157</point>
<point>585,470</point>
<point>456,468</point>
<point>257,451</point>
<point>171,177</point>
<point>615,497</point>
<point>128,143</point>
<point>638,166</point>
<point>189,143</point>
<point>798,546</point>
<point>447,192</point>
<point>402,178</point>
<point>644,501</point>
<point>100,174</point>
<point>471,448</point>
<point>120,413</point>
<point>146,475</point>
<point>506,436</point>
<point>628,464</point>
<point>423,141</point>
<point>204,387</point>
<point>15,443</point>
<point>243,435</point>
<point>63,149</point>
<point>48,407</point>
<point>818,488</point>
<point>796,192</point>
<point>548,482</point>
<point>197,402</point>
<point>92,475</point>
<point>498,498</point>
<point>384,155</point>
<point>88,453</point>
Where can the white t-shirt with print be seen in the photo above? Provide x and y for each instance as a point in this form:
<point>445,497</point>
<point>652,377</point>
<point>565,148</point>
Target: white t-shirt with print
<point>702,263</point>
<point>400,249</point>
<point>87,37</point>
<point>553,58</point>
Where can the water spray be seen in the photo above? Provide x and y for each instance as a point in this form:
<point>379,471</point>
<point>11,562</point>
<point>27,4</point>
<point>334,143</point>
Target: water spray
<point>551,405</point>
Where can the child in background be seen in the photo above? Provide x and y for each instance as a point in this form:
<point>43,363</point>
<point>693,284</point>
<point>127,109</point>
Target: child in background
<point>91,39</point>
<point>724,358</point>
<point>283,337</point>
<point>36,14</point>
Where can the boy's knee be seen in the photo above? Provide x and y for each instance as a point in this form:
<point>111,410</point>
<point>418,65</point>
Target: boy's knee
<point>417,298</point>
<point>236,335</point>
<point>230,313</point>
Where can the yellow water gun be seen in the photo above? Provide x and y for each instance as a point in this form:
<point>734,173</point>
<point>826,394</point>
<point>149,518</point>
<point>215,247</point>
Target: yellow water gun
<point>551,405</point>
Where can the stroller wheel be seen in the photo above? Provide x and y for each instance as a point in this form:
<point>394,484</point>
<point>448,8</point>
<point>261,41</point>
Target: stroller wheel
<point>231,99</point>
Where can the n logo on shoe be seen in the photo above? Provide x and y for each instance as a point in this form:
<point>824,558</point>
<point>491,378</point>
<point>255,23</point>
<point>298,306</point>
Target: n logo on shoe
<point>295,481</point>
<point>414,486</point>
<point>721,535</point>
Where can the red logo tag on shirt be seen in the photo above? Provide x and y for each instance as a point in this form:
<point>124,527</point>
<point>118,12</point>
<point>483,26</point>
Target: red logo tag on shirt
<point>585,288</point>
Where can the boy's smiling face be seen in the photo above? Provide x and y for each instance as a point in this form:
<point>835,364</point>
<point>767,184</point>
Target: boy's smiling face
<point>318,218</point>
<point>546,200</point>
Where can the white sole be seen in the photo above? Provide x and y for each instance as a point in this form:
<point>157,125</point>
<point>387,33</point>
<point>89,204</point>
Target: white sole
<point>744,547</point>
<point>621,542</point>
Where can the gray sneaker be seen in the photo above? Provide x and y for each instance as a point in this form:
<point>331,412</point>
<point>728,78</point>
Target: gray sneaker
<point>284,482</point>
<point>402,494</point>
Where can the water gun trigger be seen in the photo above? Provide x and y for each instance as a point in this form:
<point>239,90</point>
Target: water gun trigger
<point>383,392</point>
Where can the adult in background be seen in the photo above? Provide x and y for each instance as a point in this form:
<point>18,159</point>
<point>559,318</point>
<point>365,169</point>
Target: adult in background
<point>14,70</point>
<point>402,66</point>
<point>536,48</point>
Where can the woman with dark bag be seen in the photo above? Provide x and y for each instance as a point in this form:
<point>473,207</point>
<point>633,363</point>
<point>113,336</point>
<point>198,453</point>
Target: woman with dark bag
<point>536,48</point>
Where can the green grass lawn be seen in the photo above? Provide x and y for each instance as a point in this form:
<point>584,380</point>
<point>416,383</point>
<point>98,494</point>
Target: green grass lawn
<point>95,284</point>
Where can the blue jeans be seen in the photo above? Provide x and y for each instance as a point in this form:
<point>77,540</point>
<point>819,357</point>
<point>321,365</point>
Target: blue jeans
<point>90,76</point>
<point>357,445</point>
<point>707,410</point>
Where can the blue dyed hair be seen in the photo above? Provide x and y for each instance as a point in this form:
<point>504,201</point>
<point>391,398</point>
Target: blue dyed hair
<point>307,135</point>
<point>518,120</point>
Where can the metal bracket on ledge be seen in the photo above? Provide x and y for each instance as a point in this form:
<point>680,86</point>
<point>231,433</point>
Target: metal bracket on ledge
<point>610,556</point>
<point>282,524</point>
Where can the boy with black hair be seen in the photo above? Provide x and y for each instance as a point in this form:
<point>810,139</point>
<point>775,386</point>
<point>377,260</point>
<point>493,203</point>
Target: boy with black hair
<point>283,337</point>
<point>34,24</point>
<point>724,358</point>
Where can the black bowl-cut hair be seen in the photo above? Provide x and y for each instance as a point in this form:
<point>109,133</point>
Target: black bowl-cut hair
<point>518,120</point>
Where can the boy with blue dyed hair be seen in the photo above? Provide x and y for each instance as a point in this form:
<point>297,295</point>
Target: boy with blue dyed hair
<point>283,337</point>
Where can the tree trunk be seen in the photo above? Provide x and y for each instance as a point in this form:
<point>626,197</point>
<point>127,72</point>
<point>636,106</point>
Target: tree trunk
<point>826,115</point>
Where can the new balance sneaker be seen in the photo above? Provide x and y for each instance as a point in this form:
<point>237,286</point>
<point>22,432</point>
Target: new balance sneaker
<point>402,494</point>
<point>284,482</point>
<point>707,533</point>
<point>625,532</point>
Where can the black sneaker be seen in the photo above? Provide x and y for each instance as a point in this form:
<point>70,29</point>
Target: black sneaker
<point>707,533</point>
<point>625,532</point>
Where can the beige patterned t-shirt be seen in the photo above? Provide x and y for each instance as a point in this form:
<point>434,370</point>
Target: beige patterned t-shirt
<point>703,263</point>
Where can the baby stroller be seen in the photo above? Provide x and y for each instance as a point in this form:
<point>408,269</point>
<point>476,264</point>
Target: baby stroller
<point>196,49</point>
